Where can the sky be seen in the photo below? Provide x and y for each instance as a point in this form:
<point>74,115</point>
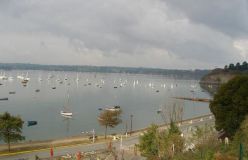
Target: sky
<point>170,34</point>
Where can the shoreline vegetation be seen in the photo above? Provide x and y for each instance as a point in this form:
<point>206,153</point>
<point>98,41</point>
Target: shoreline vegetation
<point>175,73</point>
<point>73,140</point>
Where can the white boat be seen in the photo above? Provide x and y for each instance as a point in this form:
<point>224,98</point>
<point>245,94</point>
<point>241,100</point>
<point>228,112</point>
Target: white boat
<point>40,79</point>
<point>20,77</point>
<point>10,78</point>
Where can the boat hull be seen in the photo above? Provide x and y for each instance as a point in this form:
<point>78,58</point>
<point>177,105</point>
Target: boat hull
<point>65,113</point>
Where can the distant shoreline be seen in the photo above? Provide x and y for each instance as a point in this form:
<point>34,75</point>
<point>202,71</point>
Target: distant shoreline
<point>177,73</point>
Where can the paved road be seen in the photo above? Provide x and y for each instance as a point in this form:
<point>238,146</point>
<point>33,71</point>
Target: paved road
<point>129,141</point>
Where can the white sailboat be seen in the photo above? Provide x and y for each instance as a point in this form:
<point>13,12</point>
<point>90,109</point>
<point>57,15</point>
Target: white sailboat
<point>21,77</point>
<point>77,79</point>
<point>65,77</point>
<point>66,112</point>
<point>58,79</point>
<point>10,78</point>
<point>3,77</point>
<point>27,78</point>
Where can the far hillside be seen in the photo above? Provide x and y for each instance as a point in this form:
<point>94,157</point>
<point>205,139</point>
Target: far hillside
<point>173,73</point>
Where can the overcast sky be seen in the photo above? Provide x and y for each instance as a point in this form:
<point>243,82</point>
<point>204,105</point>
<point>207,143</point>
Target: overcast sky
<point>180,34</point>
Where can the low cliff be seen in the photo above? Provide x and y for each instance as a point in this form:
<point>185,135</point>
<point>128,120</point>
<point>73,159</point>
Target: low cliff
<point>216,77</point>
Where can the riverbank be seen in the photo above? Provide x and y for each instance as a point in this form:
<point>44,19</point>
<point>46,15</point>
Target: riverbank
<point>33,146</point>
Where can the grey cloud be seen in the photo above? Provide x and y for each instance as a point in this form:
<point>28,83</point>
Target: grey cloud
<point>227,16</point>
<point>129,28</point>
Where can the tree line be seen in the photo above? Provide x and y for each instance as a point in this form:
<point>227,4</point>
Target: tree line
<point>238,67</point>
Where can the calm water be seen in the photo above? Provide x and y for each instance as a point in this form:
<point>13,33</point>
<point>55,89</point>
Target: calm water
<point>139,99</point>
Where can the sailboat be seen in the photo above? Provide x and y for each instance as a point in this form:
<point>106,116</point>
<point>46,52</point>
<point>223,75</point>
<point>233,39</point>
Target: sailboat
<point>21,77</point>
<point>66,112</point>
<point>39,78</point>
<point>3,77</point>
<point>77,79</point>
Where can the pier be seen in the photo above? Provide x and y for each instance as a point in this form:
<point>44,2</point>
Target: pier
<point>194,99</point>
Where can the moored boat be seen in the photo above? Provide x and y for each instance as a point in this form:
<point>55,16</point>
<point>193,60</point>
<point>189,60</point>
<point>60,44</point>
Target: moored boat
<point>113,109</point>
<point>64,113</point>
<point>32,123</point>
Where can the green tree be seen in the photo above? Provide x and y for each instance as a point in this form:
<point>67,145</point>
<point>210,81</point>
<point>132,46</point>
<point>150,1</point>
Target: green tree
<point>230,104</point>
<point>226,67</point>
<point>109,118</point>
<point>244,65</point>
<point>149,143</point>
<point>241,136</point>
<point>231,66</point>
<point>10,128</point>
<point>238,66</point>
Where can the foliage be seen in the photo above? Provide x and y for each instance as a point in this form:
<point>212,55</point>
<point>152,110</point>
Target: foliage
<point>241,136</point>
<point>172,111</point>
<point>109,118</point>
<point>205,142</point>
<point>229,105</point>
<point>155,144</point>
<point>174,129</point>
<point>148,143</point>
<point>237,67</point>
<point>10,128</point>
<point>219,156</point>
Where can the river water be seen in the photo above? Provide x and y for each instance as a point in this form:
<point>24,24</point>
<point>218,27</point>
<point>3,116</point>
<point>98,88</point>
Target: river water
<point>138,95</point>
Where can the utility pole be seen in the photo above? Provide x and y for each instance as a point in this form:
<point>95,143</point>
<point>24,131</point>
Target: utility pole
<point>131,129</point>
<point>126,130</point>
<point>93,138</point>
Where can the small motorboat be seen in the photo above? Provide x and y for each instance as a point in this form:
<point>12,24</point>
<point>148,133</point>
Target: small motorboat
<point>32,123</point>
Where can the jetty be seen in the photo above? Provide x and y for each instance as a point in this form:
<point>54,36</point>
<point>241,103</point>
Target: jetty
<point>194,99</point>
